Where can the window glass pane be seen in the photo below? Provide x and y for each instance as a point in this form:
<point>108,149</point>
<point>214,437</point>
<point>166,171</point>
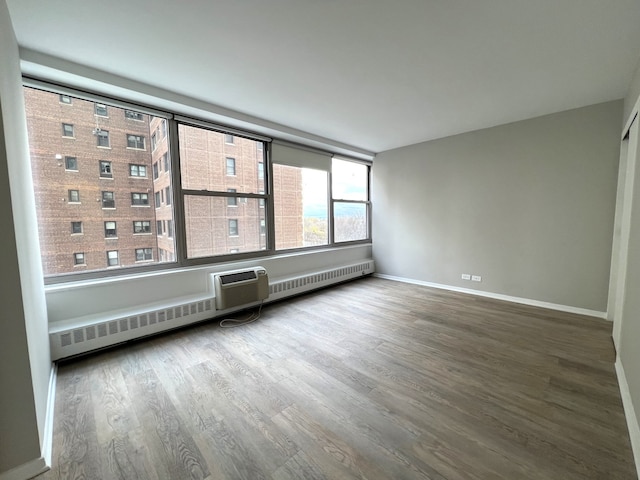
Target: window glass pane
<point>70,186</point>
<point>300,202</point>
<point>208,162</point>
<point>212,230</point>
<point>350,221</point>
<point>349,180</point>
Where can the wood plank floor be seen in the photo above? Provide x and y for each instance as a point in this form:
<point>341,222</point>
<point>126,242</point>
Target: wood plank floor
<point>372,379</point>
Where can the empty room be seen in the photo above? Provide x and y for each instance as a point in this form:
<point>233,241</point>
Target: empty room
<point>319,240</point>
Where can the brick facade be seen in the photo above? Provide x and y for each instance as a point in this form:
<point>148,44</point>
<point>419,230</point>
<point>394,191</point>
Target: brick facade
<point>84,174</point>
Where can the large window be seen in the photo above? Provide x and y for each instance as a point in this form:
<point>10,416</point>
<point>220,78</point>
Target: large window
<point>107,229</point>
<point>350,197</point>
<point>238,194</point>
<point>213,181</point>
<point>301,189</point>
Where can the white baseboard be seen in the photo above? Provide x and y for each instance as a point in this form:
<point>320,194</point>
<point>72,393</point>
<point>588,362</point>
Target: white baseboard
<point>26,470</point>
<point>47,437</point>
<point>629,413</point>
<point>499,296</point>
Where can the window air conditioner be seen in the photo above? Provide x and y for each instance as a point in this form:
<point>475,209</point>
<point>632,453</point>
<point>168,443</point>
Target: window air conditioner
<point>240,287</point>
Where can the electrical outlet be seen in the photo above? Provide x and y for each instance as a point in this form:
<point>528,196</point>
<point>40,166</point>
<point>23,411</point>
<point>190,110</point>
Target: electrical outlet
<point>476,278</point>
<point>466,276</point>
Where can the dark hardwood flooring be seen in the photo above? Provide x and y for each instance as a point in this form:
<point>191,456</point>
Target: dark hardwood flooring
<point>371,379</point>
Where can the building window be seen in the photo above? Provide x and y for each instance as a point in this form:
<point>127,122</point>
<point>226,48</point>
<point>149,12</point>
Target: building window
<point>170,228</point>
<point>71,163</point>
<point>110,230</point>
<point>103,138</point>
<point>232,201</point>
<point>263,226</point>
<point>108,200</point>
<point>130,114</point>
<point>139,198</point>
<point>112,258</point>
<point>154,141</point>
<point>167,195</point>
<point>137,170</point>
<point>159,227</point>
<point>67,130</point>
<point>135,141</point>
<point>142,226</point>
<point>155,171</point>
<point>74,196</point>
<point>144,254</point>
<point>78,258</point>
<point>101,110</point>
<point>165,160</point>
<point>105,169</point>
<point>233,227</point>
<point>350,198</point>
<point>163,128</point>
<point>66,99</point>
<point>260,171</point>
<point>76,227</point>
<point>261,202</point>
<point>231,166</point>
<point>229,139</point>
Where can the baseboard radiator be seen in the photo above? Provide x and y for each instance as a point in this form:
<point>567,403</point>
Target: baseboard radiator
<point>231,291</point>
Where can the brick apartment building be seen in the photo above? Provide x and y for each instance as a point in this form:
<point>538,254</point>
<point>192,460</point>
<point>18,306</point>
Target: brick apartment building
<point>102,180</point>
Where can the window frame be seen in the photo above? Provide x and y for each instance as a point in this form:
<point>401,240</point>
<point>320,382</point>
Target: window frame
<point>172,121</point>
<point>97,108</point>
<point>137,166</point>
<point>67,161</point>
<point>139,203</point>
<point>106,168</point>
<point>105,202</point>
<point>71,195</point>
<point>102,134</point>
<point>138,140</point>
<point>141,229</point>
<point>68,127</point>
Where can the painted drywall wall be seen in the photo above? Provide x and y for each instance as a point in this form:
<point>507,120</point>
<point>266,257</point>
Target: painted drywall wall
<point>627,318</point>
<point>632,94</point>
<point>25,365</point>
<point>528,206</point>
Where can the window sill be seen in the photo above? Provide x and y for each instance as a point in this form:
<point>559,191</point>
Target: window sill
<point>106,178</point>
<point>135,148</point>
<point>103,147</point>
<point>70,170</point>
<point>111,238</point>
<point>142,233</point>
<point>108,208</point>
<point>70,138</point>
<point>74,203</point>
<point>143,206</point>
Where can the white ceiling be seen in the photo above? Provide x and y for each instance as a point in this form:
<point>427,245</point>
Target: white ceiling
<point>374,74</point>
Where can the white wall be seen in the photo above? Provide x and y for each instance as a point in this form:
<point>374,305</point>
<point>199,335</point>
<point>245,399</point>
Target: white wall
<point>626,278</point>
<point>529,206</point>
<point>25,365</point>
